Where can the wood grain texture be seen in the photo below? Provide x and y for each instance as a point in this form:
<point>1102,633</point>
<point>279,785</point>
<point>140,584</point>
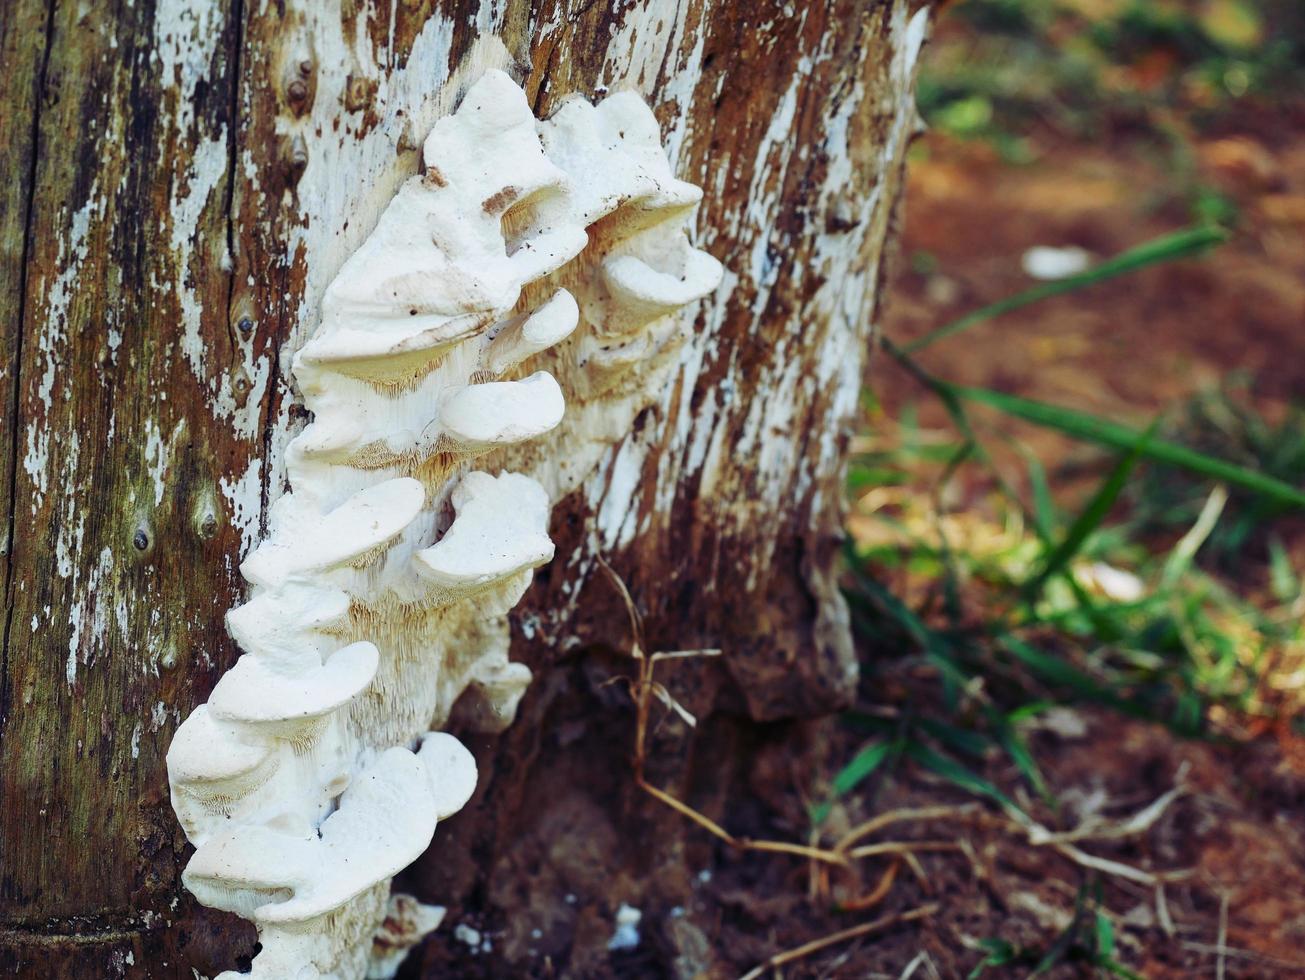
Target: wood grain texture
<point>121,557</point>
<point>185,178</point>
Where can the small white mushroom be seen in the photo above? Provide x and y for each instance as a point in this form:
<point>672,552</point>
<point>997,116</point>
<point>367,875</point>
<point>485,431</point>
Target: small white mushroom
<point>289,626</point>
<point>499,688</point>
<point>408,350</point>
<point>642,293</point>
<point>407,921</point>
<point>500,531</point>
<point>451,770</point>
<point>283,703</point>
<point>483,416</point>
<point>350,533</point>
<point>210,771</point>
<point>340,437</point>
<point>202,752</point>
<point>546,251</point>
<point>529,334</point>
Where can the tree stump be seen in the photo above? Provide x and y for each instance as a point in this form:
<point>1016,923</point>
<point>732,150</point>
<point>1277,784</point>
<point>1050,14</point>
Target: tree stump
<point>184,178</point>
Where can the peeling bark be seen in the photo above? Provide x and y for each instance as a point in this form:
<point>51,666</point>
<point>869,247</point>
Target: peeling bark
<point>184,180</point>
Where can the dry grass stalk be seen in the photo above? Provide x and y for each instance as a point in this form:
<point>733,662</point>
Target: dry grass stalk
<point>643,690</point>
<point>843,935</point>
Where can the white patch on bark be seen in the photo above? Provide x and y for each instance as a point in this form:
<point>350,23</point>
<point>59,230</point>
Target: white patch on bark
<point>244,495</point>
<point>208,166</point>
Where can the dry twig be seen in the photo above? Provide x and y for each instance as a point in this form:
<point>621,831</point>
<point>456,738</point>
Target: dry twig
<point>816,945</point>
<point>876,894</point>
<point>643,689</point>
<point>915,814</point>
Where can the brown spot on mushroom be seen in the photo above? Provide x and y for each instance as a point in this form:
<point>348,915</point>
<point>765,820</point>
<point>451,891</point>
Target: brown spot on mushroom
<point>500,201</point>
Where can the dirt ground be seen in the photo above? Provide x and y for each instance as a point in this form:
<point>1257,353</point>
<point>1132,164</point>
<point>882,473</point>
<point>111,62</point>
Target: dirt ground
<point>1127,348</point>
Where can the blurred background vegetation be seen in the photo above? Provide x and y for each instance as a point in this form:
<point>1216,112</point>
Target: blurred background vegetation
<point>1075,505</point>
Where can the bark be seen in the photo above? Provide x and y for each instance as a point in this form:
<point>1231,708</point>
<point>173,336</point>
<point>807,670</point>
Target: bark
<point>183,181</point>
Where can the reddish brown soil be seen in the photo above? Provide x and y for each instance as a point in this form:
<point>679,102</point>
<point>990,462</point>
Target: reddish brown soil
<point>1127,348</point>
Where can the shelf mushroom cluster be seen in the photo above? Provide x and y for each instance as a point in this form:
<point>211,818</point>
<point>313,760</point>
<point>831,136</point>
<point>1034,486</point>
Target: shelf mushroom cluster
<point>379,599</point>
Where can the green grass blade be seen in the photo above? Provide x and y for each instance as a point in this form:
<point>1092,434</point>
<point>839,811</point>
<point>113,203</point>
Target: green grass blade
<point>1018,750</point>
<point>863,764</point>
<point>1103,432</point>
<point>1067,940</point>
<point>937,650</point>
<point>1176,245</point>
<point>959,775</point>
<point>963,740</point>
<point>1056,671</point>
<point>1283,580</point>
<point>1044,508</point>
<point>998,952</point>
<point>1105,935</point>
<point>1089,519</point>
<point>860,768</point>
<point>1117,969</point>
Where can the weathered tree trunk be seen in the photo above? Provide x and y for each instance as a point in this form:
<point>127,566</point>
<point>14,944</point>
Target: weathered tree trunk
<point>182,180</point>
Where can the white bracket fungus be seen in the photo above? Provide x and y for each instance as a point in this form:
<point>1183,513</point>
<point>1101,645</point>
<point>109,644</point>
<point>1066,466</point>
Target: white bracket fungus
<point>314,773</point>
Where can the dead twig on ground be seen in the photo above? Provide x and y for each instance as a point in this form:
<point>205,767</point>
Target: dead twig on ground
<point>643,689</point>
<point>876,894</point>
<point>1142,821</point>
<point>834,938</point>
<point>902,847</point>
<point>1095,830</point>
<point>1222,940</point>
<point>914,814</point>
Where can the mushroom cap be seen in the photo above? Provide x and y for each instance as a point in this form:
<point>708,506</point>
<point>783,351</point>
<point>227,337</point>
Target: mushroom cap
<point>499,412</point>
<point>550,324</point>
<point>451,770</point>
<point>500,530</point>
<point>319,542</point>
<point>636,284</point>
<point>286,626</point>
<point>257,694</point>
<point>386,818</point>
<point>202,751</point>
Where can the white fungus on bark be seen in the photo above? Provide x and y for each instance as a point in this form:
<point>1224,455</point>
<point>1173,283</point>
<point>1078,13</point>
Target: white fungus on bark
<point>528,259</point>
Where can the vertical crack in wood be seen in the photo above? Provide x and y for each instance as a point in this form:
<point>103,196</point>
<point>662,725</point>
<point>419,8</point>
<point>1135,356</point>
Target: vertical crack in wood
<point>233,150</point>
<point>233,175</point>
<point>11,475</point>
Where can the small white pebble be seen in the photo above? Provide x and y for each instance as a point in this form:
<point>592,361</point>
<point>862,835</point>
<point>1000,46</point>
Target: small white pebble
<point>626,935</point>
<point>1047,263</point>
<point>1116,583</point>
<point>465,934</point>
